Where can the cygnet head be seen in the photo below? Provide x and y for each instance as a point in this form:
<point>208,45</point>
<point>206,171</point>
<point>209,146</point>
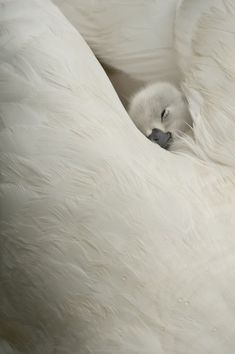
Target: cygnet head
<point>160,111</point>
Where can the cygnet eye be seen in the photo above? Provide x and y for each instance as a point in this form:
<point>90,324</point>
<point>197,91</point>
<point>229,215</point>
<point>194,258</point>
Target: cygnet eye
<point>164,114</point>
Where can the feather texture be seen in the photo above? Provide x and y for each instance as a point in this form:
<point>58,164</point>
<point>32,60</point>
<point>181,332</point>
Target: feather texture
<point>134,40</point>
<point>110,244</point>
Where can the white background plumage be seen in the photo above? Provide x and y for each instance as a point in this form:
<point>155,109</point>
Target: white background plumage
<point>110,244</point>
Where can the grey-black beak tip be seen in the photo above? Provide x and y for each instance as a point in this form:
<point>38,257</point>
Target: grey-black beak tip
<point>161,138</point>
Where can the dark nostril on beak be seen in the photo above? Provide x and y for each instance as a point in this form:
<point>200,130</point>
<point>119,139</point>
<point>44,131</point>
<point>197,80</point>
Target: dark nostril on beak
<point>169,135</point>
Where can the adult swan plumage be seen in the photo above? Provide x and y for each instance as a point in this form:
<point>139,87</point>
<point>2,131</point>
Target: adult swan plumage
<point>110,244</point>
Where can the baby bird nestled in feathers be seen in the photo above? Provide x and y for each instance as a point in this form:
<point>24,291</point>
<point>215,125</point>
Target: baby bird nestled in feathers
<point>160,111</point>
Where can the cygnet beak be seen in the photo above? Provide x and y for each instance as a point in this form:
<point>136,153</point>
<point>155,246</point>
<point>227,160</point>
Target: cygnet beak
<point>159,137</point>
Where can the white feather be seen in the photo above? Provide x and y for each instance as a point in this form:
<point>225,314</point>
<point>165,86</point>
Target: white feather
<point>133,39</point>
<point>110,244</point>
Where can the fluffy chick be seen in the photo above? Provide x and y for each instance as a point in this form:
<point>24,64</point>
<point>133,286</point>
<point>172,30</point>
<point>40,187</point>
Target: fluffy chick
<point>160,111</point>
